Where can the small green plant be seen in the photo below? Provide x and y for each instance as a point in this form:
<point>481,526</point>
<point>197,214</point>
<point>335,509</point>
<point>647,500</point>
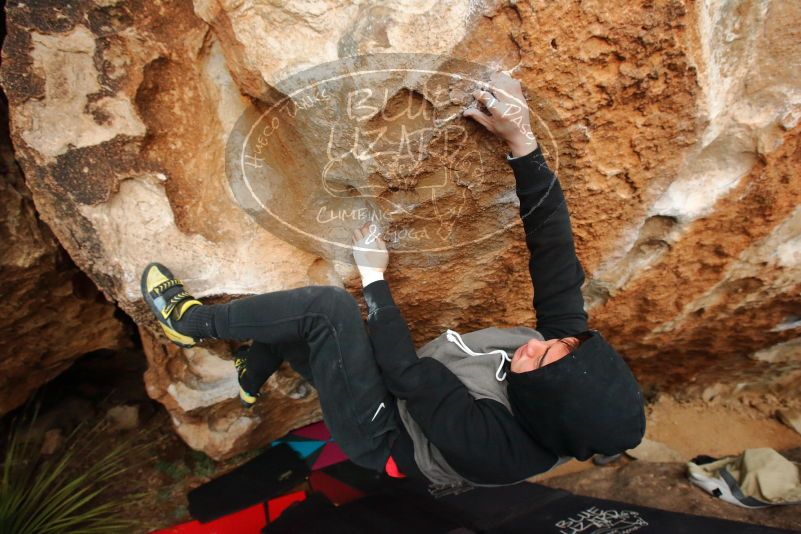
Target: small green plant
<point>41,495</point>
<point>177,471</point>
<point>202,465</point>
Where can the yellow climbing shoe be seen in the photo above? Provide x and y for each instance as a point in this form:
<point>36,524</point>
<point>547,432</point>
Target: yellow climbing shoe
<point>240,362</point>
<point>168,300</point>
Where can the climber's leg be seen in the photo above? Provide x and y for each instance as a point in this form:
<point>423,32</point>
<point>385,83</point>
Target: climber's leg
<point>356,405</point>
<point>257,362</point>
<point>357,408</point>
<point>254,365</point>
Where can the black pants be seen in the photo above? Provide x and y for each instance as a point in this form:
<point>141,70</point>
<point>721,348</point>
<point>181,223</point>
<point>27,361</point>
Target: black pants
<point>320,332</point>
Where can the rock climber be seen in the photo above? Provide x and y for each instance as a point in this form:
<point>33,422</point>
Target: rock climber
<point>490,407</point>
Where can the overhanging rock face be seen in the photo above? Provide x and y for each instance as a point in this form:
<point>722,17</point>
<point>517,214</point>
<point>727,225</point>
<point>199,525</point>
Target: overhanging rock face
<point>674,129</point>
<point>51,314</point>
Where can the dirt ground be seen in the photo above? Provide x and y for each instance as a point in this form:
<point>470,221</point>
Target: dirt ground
<point>173,470</point>
<point>665,486</point>
<point>169,469</point>
<point>688,429</point>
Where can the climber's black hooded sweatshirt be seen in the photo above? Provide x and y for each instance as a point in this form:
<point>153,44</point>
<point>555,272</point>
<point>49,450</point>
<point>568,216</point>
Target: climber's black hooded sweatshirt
<point>585,403</point>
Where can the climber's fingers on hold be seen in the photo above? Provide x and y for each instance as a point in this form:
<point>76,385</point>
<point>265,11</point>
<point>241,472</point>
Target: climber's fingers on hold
<point>489,100</point>
<point>479,116</point>
<point>491,103</point>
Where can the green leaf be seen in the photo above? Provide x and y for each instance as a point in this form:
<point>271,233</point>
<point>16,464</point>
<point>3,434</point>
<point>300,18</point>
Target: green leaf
<point>57,495</point>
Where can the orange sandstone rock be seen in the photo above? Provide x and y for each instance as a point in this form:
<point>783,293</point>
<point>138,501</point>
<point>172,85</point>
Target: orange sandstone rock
<point>673,126</point>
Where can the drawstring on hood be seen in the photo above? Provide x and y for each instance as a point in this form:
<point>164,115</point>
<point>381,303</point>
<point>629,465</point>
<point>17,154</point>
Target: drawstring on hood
<point>454,337</point>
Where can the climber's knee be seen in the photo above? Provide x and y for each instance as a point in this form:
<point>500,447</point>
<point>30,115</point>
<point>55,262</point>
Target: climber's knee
<point>334,300</point>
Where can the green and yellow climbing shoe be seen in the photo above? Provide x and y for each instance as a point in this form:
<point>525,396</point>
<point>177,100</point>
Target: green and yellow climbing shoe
<point>240,362</point>
<point>168,300</point>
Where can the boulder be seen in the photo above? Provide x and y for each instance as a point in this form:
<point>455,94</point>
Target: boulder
<point>51,313</point>
<point>673,126</point>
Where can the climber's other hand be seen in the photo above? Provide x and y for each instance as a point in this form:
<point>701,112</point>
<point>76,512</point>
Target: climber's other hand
<point>508,116</point>
<point>370,251</point>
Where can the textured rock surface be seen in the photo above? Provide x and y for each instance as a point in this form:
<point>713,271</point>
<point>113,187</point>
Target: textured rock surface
<point>677,145</point>
<point>50,313</point>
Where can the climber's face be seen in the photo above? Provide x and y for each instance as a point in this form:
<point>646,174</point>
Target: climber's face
<point>537,353</point>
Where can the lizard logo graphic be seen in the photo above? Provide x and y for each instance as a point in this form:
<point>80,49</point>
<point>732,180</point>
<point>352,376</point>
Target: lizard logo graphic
<point>378,138</point>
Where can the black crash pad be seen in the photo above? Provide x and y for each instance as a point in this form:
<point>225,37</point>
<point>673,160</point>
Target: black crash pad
<point>404,505</point>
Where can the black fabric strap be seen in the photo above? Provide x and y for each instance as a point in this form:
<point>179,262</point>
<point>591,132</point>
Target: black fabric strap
<point>737,493</point>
